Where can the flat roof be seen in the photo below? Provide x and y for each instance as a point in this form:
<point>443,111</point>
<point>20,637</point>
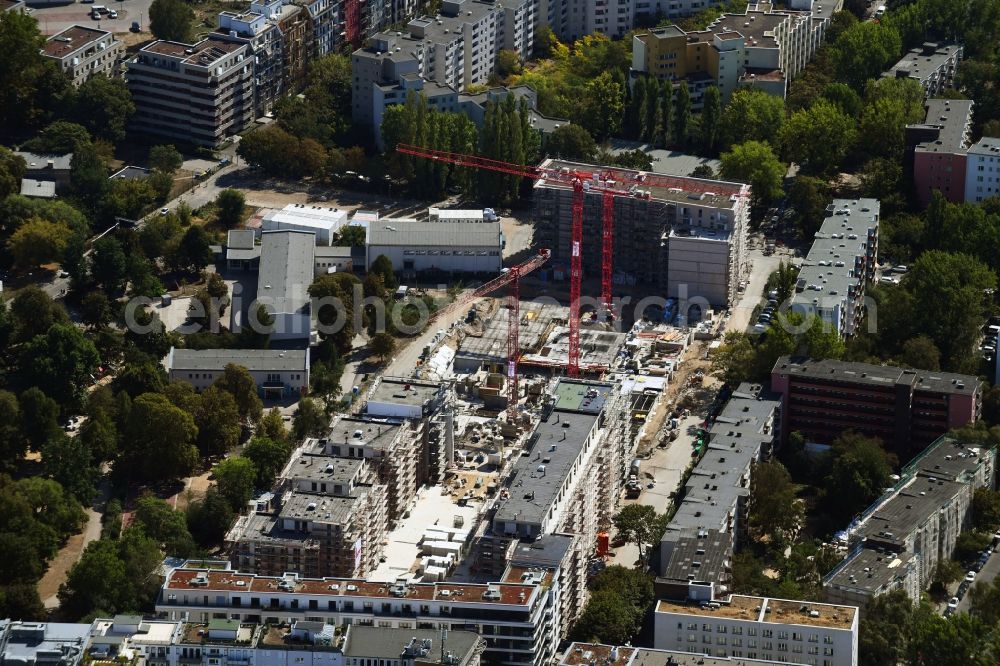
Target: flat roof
<point>286,270</point>
<point>953,118</point>
<point>131,173</point>
<point>72,39</point>
<point>205,53</point>
<point>671,189</point>
<point>36,161</point>
<point>312,467</point>
<point>911,507</point>
<point>43,189</point>
<point>317,508</point>
<point>949,458</point>
<point>829,370</point>
<point>922,63</point>
<point>767,610</point>
<point>241,239</point>
<point>985,146</point>
<point>585,654</point>
<point>326,218</point>
<point>386,643</point>
<point>454,593</point>
<point>253,359</point>
<point>25,640</point>
<point>374,434</point>
<point>701,556</point>
<point>552,451</point>
<point>399,391</point>
<point>439,234</point>
<point>869,571</point>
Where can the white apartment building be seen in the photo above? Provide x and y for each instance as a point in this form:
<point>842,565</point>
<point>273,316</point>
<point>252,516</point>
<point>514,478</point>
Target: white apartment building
<point>932,65</point>
<point>81,52</point>
<point>796,632</point>
<point>461,43</point>
<point>258,28</point>
<point>982,170</point>
<point>277,373</point>
<point>519,619</point>
<point>201,92</point>
<point>841,262</point>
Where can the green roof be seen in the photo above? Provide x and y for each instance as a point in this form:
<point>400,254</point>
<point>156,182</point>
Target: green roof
<point>224,625</point>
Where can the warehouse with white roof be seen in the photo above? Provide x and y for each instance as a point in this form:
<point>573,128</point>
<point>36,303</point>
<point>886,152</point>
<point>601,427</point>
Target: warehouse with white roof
<point>453,247</point>
<point>323,221</point>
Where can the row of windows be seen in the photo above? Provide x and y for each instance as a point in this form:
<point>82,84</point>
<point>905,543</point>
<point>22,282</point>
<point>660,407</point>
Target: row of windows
<point>457,253</point>
<point>752,631</point>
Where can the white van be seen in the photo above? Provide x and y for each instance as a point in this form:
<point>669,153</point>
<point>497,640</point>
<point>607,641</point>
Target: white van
<point>880,11</point>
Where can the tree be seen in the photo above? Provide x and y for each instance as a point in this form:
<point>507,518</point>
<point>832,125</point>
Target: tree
<point>844,97</point>
<point>383,345</point>
<point>39,417</point>
<point>774,512</point>
<point>382,266</point>
<point>606,619</point>
<point>104,106</point>
<point>807,199</point>
<point>218,421</point>
<point>711,114</point>
<point>12,170</point>
<point>100,436</point>
<point>235,478</point>
<point>755,163</point>
<point>818,138</point>
<point>863,52</point>
<point>883,127</point>
<point>339,288</point>
<point>88,175</point>
<point>945,573</point>
<point>509,62</point>
<point>209,519</point>
<point>21,601</point>
<point>193,253</point>
<point>682,113</point>
<point>21,69</point>
<point>986,509</point>
<point>33,312</point>
<point>37,241</point>
<point>272,426</point>
<point>68,461</point>
<point>58,138</point>
<point>171,20</point>
<point>605,106</point>
<point>109,265</point>
<point>351,236</point>
<point>949,292</point>
<point>859,472</point>
<point>970,544</point>
<point>159,439</point>
<point>61,362</point>
<point>309,420</point>
<point>165,158</point>
<point>752,114</point>
<point>571,142</point>
<point>884,629</point>
<point>230,204</point>
<point>95,310</point>
<point>161,522</point>
<point>13,443</point>
<point>237,381</point>
<point>733,362</point>
<point>268,457</point>
<point>639,524</point>
<point>921,352</point>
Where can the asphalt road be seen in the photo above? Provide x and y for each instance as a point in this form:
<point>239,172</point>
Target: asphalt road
<point>987,575</point>
<point>56,18</point>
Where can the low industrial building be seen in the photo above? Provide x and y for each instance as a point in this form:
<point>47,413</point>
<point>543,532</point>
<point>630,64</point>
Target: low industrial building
<point>764,628</point>
<point>200,93</point>
<point>56,643</point>
<point>38,189</point>
<point>906,409</point>
<point>277,373</point>
<point>940,153</point>
<point>287,260</point>
<point>932,65</point>
<point>448,247</point>
<point>81,52</point>
<point>896,543</point>
<point>242,250</point>
<point>323,221</point>
<point>841,262</point>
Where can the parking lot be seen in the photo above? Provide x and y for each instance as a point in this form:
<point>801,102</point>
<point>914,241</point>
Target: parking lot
<point>988,571</point>
<point>56,18</point>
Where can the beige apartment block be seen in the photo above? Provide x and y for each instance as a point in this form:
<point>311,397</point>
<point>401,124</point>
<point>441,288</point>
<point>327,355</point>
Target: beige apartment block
<point>82,52</point>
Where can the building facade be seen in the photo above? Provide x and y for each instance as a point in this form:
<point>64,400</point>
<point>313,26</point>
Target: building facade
<point>277,373</point>
<point>451,247</point>
<point>81,53</point>
<point>982,171</point>
<point>906,409</point>
<point>795,632</point>
<point>932,65</point>
<point>939,159</point>
<point>686,236</point>
<point>201,93</point>
<point>832,280</point>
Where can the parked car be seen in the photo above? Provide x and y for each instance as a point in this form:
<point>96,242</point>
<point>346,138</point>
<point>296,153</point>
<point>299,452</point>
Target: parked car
<point>112,14</point>
<point>953,603</point>
<point>135,27</point>
<point>970,576</point>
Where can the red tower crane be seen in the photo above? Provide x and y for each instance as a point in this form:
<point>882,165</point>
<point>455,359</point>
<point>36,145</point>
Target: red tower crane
<point>608,182</point>
<point>510,277</point>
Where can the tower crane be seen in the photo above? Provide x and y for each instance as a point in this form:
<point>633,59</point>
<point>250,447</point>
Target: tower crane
<point>510,277</point>
<point>609,183</point>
